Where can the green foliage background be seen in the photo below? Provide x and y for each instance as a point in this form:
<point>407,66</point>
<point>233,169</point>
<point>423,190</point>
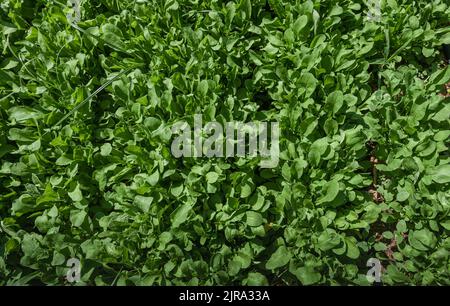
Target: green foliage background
<point>102,186</point>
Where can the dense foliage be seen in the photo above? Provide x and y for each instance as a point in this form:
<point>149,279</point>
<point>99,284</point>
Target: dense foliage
<point>364,167</point>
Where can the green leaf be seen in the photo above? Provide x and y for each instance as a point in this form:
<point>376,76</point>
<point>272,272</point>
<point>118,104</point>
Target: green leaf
<point>246,6</point>
<point>254,218</point>
<point>401,226</point>
<point>246,190</point>
<point>445,39</point>
<point>280,258</point>
<point>331,191</point>
<point>352,249</point>
<point>328,240</point>
<point>23,113</point>
<point>153,179</point>
<point>300,24</point>
<point>42,223</point>
<point>440,76</point>
<point>441,174</point>
<point>402,196</point>
<point>143,203</point>
<point>317,149</point>
<point>211,177</point>
<point>113,37</point>
<point>106,149</point>
<point>396,275</point>
<point>307,275</point>
<point>308,82</point>
<point>76,195</point>
<point>180,214</point>
<point>446,224</point>
<point>335,101</point>
<point>422,239</point>
<point>77,217</point>
<point>256,279</point>
<point>203,88</point>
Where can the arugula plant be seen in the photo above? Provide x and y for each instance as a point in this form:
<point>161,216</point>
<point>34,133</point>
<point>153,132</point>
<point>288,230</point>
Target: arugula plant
<point>86,170</point>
